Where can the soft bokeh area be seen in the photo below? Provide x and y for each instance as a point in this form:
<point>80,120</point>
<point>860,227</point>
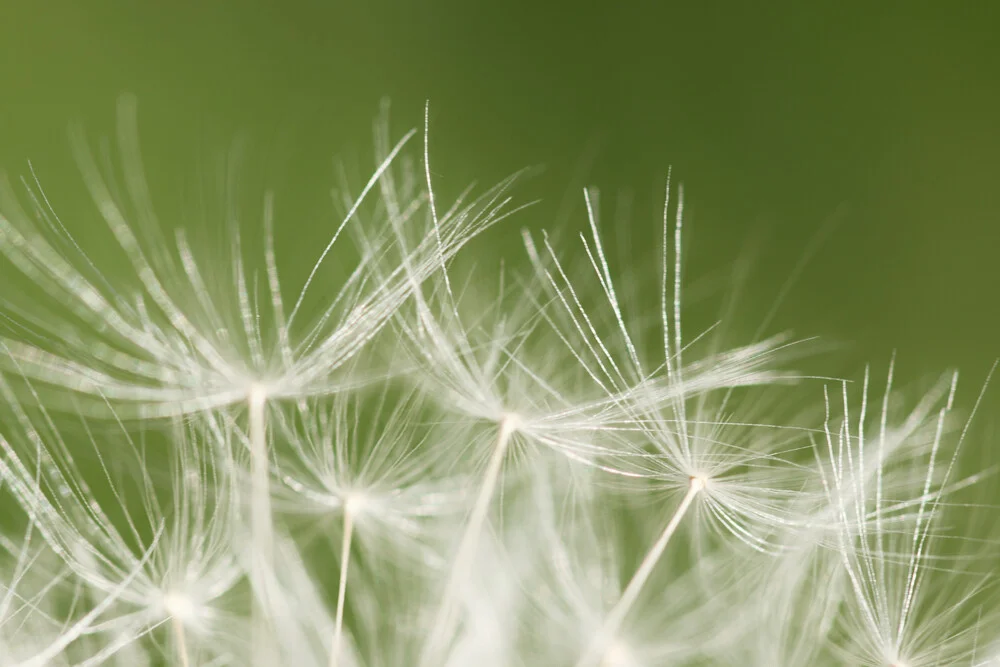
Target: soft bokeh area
<point>869,128</point>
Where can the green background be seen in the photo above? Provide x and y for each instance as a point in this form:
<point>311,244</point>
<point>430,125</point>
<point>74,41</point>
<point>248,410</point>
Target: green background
<point>778,117</point>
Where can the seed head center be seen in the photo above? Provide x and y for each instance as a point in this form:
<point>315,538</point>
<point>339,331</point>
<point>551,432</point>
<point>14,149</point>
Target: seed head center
<point>354,503</point>
<point>510,423</point>
<point>257,394</point>
<point>698,482</point>
<point>179,605</point>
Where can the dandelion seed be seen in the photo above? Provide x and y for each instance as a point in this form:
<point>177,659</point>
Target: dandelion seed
<point>478,364</point>
<point>367,457</point>
<point>151,566</point>
<point>653,399</point>
<point>885,546</point>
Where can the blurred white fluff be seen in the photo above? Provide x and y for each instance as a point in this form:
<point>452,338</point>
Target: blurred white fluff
<point>177,337</point>
<point>451,468</point>
<point>910,604</point>
<point>146,553</point>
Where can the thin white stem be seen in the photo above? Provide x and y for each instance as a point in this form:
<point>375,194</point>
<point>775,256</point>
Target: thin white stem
<point>260,492</point>
<point>345,558</point>
<point>179,637</point>
<point>613,621</point>
<point>261,529</point>
<point>444,623</point>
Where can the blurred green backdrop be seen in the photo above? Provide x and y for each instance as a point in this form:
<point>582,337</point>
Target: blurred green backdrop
<point>778,117</point>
